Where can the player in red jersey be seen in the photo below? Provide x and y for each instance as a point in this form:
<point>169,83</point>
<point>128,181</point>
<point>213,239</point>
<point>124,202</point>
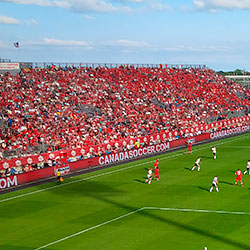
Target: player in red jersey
<point>157,173</point>
<point>238,174</point>
<point>189,149</point>
<point>156,163</point>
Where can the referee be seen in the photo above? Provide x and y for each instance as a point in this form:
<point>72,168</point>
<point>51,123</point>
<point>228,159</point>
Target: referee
<point>58,176</point>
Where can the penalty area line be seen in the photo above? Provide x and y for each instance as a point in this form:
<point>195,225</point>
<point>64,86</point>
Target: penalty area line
<point>196,210</point>
<point>139,210</point>
<point>89,229</point>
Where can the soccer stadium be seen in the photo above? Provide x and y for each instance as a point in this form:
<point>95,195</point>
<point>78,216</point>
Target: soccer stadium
<point>122,156</point>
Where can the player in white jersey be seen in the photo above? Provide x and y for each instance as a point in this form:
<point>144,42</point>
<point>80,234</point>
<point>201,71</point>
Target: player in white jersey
<point>214,184</point>
<point>149,176</point>
<point>214,152</point>
<point>197,164</point>
<point>248,167</point>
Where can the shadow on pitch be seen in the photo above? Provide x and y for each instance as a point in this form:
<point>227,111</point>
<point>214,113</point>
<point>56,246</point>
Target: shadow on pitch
<point>108,195</point>
<point>88,188</point>
<point>228,183</point>
<point>189,169</point>
<point>179,224</point>
<point>202,188</point>
<point>141,181</point>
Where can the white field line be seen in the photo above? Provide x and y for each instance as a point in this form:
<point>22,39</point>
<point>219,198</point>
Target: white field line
<point>113,171</point>
<point>90,228</point>
<point>195,210</point>
<point>138,210</point>
<point>236,146</point>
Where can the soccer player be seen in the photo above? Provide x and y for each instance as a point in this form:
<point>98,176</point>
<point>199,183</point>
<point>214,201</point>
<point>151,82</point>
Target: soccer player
<point>197,164</point>
<point>156,163</point>
<point>149,176</point>
<point>157,173</point>
<point>214,152</point>
<point>248,167</point>
<point>189,149</point>
<point>238,174</point>
<point>214,184</point>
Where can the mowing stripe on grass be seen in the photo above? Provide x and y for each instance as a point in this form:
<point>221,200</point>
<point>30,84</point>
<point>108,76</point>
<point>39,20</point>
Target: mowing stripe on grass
<point>113,171</point>
<point>90,228</point>
<point>138,210</point>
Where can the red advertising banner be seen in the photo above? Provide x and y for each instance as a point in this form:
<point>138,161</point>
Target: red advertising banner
<point>107,159</point>
<point>163,136</point>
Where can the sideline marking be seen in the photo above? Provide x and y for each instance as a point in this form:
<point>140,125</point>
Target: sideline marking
<point>138,210</point>
<point>115,171</point>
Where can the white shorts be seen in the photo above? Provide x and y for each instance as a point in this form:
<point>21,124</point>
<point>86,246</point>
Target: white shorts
<point>149,176</point>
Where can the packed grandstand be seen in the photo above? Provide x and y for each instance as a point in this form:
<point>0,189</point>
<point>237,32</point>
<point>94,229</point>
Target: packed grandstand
<point>51,109</point>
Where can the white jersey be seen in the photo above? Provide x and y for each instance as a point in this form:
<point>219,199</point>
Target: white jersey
<point>248,165</point>
<point>215,181</point>
<point>198,161</point>
<point>214,150</point>
<point>150,172</point>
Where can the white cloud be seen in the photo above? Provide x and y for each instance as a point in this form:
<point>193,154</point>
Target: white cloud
<point>51,42</point>
<point>186,48</point>
<point>88,17</point>
<point>31,21</point>
<point>155,5</point>
<point>76,5</point>
<point>97,5</point>
<point>213,5</point>
<point>31,2</point>
<point>8,20</point>
<point>199,4</point>
<point>11,20</point>
<point>128,43</point>
<point>56,42</point>
<point>136,1</point>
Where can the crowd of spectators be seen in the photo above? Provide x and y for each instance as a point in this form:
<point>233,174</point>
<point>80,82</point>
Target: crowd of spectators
<point>59,108</point>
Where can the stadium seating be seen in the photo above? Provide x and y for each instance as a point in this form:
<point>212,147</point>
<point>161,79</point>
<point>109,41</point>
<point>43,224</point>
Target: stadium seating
<point>47,109</point>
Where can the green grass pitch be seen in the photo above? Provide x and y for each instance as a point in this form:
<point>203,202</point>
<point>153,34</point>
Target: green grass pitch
<point>114,209</point>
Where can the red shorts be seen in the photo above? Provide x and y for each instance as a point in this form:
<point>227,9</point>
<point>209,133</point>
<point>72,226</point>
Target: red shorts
<point>238,178</point>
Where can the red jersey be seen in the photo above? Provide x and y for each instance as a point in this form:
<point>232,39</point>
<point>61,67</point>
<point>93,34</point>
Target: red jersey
<point>157,171</point>
<point>189,145</point>
<point>156,163</point>
<point>238,173</point>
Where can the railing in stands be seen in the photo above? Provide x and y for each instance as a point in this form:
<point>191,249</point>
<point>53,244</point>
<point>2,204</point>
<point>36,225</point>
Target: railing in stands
<point>111,65</point>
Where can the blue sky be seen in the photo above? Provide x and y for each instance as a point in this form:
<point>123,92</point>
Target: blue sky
<point>211,32</point>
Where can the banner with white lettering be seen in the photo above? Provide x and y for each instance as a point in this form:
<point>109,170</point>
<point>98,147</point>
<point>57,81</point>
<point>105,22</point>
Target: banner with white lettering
<point>63,170</point>
<point>7,182</point>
